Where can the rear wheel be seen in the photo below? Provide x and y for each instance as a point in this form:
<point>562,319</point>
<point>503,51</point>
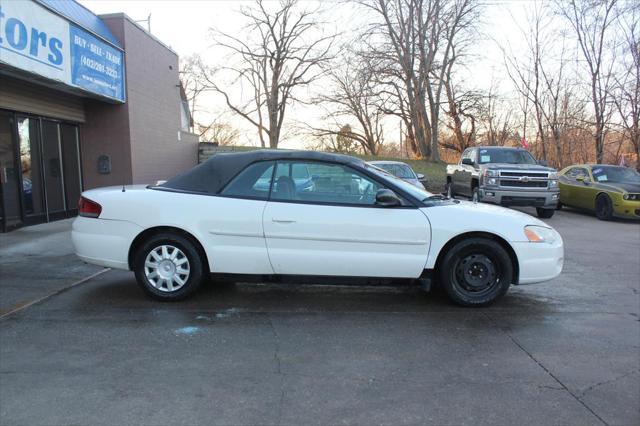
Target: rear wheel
<point>169,267</point>
<point>476,272</point>
<point>604,207</point>
<point>545,213</point>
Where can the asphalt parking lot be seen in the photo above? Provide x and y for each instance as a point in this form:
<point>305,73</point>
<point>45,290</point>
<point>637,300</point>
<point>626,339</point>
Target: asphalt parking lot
<point>563,352</point>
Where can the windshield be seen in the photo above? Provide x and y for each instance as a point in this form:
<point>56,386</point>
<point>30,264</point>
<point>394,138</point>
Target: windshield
<point>615,174</point>
<point>398,170</point>
<point>508,156</point>
<point>418,193</point>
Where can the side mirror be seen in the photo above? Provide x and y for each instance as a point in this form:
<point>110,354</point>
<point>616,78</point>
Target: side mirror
<point>467,161</point>
<point>420,176</point>
<point>387,198</point>
<point>543,163</point>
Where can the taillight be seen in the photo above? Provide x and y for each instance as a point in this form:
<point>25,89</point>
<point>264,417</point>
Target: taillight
<point>88,208</point>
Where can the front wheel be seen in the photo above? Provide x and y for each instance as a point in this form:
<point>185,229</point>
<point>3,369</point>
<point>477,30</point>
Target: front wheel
<point>476,272</point>
<point>169,267</point>
<point>475,195</point>
<point>448,190</point>
<point>604,207</point>
<point>545,213</point>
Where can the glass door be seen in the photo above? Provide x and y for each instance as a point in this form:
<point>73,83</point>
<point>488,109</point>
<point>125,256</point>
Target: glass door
<point>31,164</point>
<point>53,172</point>
<point>71,163</point>
<point>10,209</point>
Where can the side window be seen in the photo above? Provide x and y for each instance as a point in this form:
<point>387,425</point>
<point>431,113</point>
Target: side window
<point>253,182</point>
<point>473,154</point>
<point>577,171</point>
<point>465,154</point>
<point>322,183</point>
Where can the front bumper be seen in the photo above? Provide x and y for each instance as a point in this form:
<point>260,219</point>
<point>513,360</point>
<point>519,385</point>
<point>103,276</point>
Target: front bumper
<point>545,199</point>
<point>103,242</point>
<point>626,208</point>
<point>539,262</point>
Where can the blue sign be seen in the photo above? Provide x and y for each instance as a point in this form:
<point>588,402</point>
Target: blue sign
<point>95,65</point>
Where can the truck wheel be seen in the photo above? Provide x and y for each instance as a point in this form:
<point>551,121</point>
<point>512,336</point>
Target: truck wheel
<point>604,208</point>
<point>545,213</point>
<point>476,272</point>
<point>448,189</point>
<point>475,195</point>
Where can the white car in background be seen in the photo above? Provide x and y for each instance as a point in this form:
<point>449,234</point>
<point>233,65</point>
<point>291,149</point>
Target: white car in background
<point>353,221</point>
<point>400,170</point>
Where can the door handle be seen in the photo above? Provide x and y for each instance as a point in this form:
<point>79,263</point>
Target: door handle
<point>277,220</point>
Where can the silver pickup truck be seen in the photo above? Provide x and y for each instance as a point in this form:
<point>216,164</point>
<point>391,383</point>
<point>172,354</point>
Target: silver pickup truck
<point>504,176</point>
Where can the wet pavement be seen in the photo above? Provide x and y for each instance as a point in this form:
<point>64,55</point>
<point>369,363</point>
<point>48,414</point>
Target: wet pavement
<point>562,352</point>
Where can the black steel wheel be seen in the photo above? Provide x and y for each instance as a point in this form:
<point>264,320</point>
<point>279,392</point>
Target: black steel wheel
<point>448,190</point>
<point>475,195</point>
<point>604,207</point>
<point>476,272</point>
<point>545,213</point>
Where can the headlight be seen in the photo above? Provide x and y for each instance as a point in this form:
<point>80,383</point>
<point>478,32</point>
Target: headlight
<point>553,183</point>
<point>491,173</point>
<point>627,196</point>
<point>553,175</point>
<point>539,234</point>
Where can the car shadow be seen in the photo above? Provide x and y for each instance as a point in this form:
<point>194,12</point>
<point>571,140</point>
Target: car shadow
<point>118,291</point>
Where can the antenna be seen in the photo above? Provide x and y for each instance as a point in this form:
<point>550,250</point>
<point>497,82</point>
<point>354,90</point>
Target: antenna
<point>148,21</point>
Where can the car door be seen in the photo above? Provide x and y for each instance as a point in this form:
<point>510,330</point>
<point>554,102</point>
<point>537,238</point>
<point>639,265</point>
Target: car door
<point>233,225</point>
<point>335,227</point>
<point>588,191</point>
<point>582,189</point>
<point>565,183</point>
<point>459,178</point>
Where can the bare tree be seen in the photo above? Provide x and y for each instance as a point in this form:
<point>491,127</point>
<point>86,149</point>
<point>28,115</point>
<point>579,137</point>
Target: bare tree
<point>286,55</point>
<point>496,124</point>
<point>527,74</point>
<point>590,21</point>
<point>416,37</point>
<point>627,86</point>
<point>355,96</point>
<point>194,85</point>
<point>218,131</point>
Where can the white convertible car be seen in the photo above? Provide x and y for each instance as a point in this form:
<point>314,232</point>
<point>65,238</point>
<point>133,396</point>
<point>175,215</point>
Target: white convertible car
<point>245,213</point>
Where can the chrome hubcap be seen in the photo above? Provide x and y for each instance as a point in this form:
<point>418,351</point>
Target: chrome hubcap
<point>167,268</point>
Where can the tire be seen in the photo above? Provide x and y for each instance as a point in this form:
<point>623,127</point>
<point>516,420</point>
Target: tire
<point>545,213</point>
<point>172,255</point>
<point>475,195</point>
<point>604,207</point>
<point>448,189</point>
<point>461,272</point>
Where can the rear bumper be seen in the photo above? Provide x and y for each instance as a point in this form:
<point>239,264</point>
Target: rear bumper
<point>539,262</point>
<point>545,199</point>
<point>104,242</point>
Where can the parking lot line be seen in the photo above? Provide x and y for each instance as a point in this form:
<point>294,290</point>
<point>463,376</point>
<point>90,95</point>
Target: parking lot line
<point>19,307</point>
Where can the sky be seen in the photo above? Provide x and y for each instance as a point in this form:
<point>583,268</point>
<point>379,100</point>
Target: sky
<point>185,27</point>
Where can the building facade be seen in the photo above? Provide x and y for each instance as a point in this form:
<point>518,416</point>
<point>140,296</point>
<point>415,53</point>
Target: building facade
<point>85,101</point>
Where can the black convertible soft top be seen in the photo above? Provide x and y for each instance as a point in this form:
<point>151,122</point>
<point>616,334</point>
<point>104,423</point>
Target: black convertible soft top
<point>212,175</point>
